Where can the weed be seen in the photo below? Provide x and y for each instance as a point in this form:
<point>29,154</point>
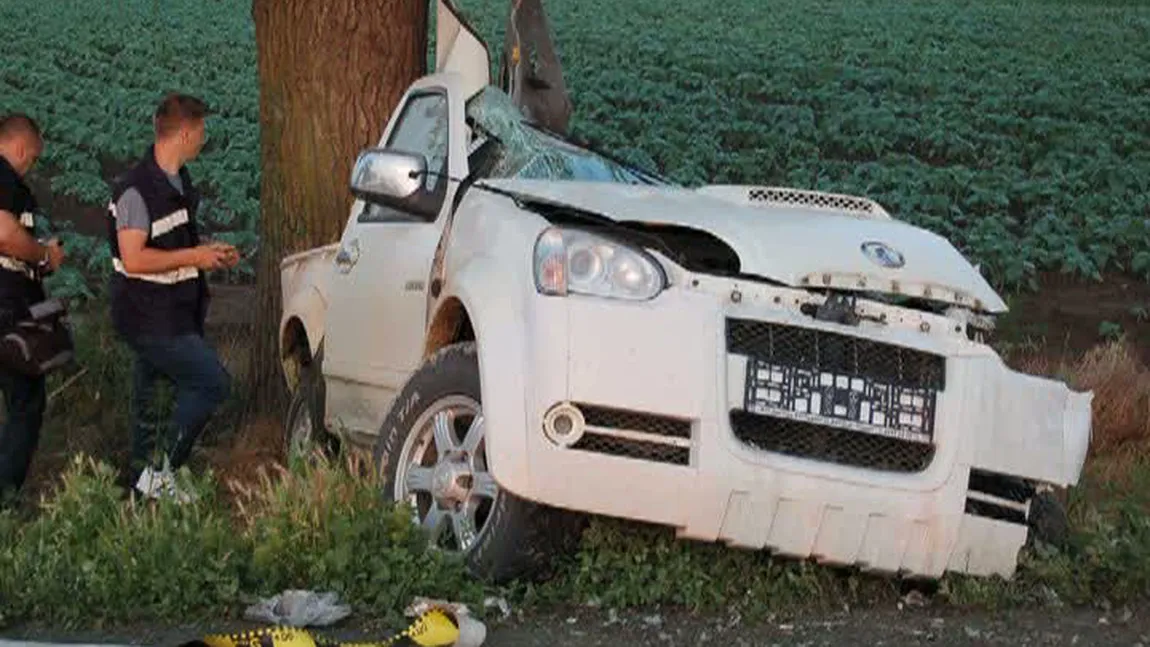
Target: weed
<point>92,554</point>
<point>625,565</point>
<point>1108,330</point>
<point>325,525</point>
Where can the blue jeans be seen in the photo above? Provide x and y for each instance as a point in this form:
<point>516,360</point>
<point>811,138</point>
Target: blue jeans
<point>25,399</point>
<point>201,382</point>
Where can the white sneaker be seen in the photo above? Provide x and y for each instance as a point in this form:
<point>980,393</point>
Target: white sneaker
<point>154,484</point>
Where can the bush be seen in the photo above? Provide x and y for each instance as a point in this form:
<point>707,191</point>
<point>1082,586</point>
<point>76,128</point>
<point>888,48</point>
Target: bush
<point>91,554</point>
<point>94,555</point>
<point>326,527</point>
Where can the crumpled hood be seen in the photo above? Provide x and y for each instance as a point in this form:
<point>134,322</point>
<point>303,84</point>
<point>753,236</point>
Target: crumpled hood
<point>800,246</point>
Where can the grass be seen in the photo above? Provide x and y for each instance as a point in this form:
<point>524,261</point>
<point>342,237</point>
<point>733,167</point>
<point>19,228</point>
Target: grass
<point>92,554</point>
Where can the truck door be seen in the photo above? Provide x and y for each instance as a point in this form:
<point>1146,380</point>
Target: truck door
<point>377,316</point>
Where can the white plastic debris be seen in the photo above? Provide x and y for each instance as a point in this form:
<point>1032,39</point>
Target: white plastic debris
<point>296,608</point>
<point>499,603</point>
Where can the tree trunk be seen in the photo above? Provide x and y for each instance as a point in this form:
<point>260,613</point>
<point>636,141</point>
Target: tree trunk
<point>330,72</point>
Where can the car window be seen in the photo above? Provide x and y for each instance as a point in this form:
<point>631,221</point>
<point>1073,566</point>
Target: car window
<point>422,128</point>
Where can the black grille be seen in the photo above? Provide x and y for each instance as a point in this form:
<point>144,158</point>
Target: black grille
<point>835,353</point>
<point>1002,486</point>
<point>657,452</point>
<point>619,419</point>
<point>830,444</point>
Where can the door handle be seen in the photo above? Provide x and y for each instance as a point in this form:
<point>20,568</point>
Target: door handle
<point>347,257</point>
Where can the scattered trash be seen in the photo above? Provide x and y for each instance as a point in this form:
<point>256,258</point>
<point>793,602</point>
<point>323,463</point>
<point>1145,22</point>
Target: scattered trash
<point>653,621</point>
<point>915,599</point>
<point>1051,598</point>
<point>498,603</point>
<point>787,627</point>
<point>972,633</point>
<point>296,608</point>
<point>470,632</point>
<point>1103,621</point>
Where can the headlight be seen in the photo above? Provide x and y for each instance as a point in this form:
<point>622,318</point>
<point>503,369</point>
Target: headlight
<point>574,261</point>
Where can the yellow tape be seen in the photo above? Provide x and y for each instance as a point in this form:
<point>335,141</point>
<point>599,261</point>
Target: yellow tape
<point>432,629</point>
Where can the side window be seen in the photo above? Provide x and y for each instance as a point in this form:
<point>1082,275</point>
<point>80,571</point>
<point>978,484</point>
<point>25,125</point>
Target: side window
<point>422,128</point>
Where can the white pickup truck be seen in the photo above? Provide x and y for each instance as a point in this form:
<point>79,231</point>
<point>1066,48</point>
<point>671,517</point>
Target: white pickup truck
<point>526,331</point>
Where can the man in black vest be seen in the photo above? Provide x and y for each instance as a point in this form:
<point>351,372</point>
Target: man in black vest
<point>160,294</point>
<point>23,261</point>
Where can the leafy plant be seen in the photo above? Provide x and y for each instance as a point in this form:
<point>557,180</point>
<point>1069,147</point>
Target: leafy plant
<point>1109,330</point>
<point>1018,135</point>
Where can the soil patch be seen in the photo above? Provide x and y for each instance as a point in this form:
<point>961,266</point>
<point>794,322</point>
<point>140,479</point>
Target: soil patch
<point>1068,316</point>
<point>87,219</point>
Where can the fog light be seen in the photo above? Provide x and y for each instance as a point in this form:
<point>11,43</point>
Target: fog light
<point>564,424</point>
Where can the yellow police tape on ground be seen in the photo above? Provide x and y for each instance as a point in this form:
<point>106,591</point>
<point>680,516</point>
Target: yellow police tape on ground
<point>432,629</point>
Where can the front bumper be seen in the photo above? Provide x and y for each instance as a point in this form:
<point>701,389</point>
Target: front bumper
<point>669,441</point>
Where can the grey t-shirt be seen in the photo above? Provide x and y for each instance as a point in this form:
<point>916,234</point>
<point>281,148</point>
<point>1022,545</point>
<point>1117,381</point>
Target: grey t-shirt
<point>132,213</point>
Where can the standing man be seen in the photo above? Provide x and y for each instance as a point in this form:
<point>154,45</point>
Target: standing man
<point>23,261</point>
<point>160,293</point>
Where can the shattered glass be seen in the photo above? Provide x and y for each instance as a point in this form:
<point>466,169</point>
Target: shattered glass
<point>522,151</point>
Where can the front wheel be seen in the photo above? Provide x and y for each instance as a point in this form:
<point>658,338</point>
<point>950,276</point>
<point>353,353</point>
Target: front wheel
<point>432,455</point>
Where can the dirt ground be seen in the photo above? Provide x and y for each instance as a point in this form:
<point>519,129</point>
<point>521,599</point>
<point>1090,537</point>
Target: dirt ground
<point>601,628</point>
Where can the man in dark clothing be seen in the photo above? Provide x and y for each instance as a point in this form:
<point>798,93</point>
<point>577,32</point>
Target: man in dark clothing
<point>23,263</point>
<point>160,294</point>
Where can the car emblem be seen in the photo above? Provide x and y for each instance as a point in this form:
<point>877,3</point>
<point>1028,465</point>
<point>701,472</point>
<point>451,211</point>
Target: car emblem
<point>883,255</point>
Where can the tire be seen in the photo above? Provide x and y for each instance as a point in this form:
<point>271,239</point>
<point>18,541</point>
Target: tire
<point>1048,520</point>
<point>304,430</point>
<point>442,473</point>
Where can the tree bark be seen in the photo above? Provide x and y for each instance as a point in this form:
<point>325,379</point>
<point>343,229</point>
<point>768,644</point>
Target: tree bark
<point>330,72</point>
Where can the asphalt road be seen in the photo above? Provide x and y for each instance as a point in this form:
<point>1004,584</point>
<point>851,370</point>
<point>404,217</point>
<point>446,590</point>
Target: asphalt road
<point>595,628</point>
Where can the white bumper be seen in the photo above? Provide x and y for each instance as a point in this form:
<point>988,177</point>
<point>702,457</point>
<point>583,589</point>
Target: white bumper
<point>705,473</point>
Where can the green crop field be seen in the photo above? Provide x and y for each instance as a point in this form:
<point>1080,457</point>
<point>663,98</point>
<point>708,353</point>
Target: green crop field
<point>1019,131</point>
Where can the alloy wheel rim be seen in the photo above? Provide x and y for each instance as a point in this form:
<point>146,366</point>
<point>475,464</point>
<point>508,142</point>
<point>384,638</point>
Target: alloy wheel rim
<point>442,474</point>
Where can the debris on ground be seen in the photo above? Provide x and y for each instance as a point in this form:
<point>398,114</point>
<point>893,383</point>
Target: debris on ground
<point>498,603</point>
<point>472,632</point>
<point>913,599</point>
<point>298,608</point>
<point>433,628</point>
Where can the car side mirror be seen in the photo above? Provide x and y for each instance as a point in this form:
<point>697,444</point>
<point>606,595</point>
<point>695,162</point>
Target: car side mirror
<point>394,178</point>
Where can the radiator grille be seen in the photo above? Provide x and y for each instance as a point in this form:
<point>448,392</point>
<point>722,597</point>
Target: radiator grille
<point>830,444</point>
<point>836,353</point>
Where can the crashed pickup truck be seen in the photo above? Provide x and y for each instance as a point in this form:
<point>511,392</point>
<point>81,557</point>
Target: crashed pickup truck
<point>526,332</point>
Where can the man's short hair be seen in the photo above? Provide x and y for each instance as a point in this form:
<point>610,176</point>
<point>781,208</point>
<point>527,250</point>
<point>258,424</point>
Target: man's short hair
<point>175,110</point>
<point>18,123</point>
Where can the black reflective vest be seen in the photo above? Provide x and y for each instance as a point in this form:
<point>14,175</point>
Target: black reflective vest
<point>166,303</point>
<point>20,281</point>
